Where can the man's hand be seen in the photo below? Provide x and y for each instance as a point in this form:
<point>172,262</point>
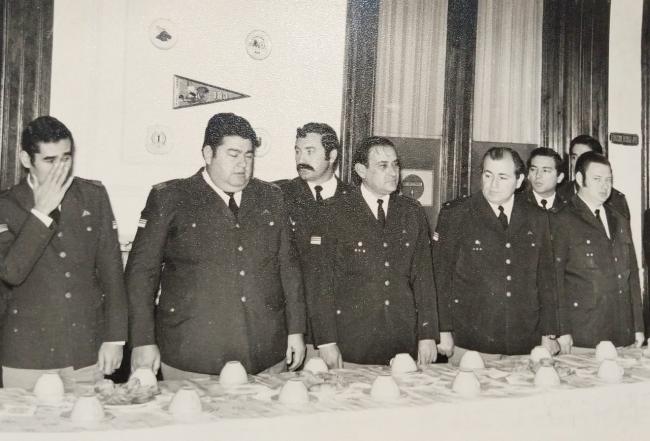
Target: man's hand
<point>446,346</point>
<point>109,357</point>
<point>49,193</point>
<point>565,342</point>
<point>147,356</point>
<point>427,352</point>
<point>331,356</point>
<point>550,344</point>
<point>295,351</point>
<point>639,339</point>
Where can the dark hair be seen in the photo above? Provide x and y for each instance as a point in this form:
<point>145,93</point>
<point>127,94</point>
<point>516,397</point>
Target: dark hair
<point>328,139</point>
<point>497,153</point>
<point>587,158</point>
<point>549,153</point>
<point>228,124</point>
<point>363,150</point>
<point>44,129</point>
<point>587,140</point>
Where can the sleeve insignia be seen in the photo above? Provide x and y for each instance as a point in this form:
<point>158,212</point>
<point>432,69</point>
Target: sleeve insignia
<point>142,223</point>
<point>3,228</point>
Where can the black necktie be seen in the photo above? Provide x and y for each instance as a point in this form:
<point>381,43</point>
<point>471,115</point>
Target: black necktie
<point>55,215</point>
<point>232,204</point>
<point>544,202</point>
<point>503,218</point>
<point>381,214</point>
<point>319,197</point>
<point>597,214</point>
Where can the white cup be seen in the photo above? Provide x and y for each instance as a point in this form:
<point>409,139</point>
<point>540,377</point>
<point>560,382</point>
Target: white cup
<point>610,371</point>
<point>605,350</point>
<point>185,403</point>
<point>539,353</point>
<point>384,388</point>
<point>49,388</point>
<point>146,376</point>
<point>294,391</point>
<point>233,374</point>
<point>316,365</point>
<point>546,375</point>
<point>471,360</point>
<point>403,363</point>
<point>87,409</point>
<point>466,383</point>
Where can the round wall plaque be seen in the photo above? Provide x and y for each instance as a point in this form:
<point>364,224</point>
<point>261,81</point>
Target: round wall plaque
<point>163,33</point>
<point>258,45</point>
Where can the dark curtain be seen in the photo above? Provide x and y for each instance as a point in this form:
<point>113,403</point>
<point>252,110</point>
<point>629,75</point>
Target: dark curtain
<point>575,58</point>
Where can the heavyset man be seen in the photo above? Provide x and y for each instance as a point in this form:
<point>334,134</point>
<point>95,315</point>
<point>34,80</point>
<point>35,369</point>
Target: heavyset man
<point>219,245</point>
<point>376,297</point>
<point>61,264</point>
<point>494,265</point>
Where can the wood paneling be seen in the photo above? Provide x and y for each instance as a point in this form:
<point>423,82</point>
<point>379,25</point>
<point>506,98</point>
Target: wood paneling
<point>575,62</point>
<point>25,77</point>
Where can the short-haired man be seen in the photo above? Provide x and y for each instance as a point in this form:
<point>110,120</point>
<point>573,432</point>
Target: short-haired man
<point>219,246</point>
<point>579,145</point>
<point>377,295</point>
<point>317,152</point>
<point>544,175</point>
<point>60,260</point>
<point>597,274</point>
<point>494,265</point>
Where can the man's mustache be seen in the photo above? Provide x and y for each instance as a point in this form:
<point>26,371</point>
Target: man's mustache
<point>304,167</point>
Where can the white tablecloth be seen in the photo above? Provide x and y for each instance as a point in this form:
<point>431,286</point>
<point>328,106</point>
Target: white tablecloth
<point>509,407</point>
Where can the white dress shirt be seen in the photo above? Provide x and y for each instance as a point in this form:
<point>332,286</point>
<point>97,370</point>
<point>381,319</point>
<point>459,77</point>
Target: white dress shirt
<point>371,200</point>
<point>549,200</point>
<point>329,188</point>
<point>601,214</point>
<point>507,207</point>
<point>220,192</point>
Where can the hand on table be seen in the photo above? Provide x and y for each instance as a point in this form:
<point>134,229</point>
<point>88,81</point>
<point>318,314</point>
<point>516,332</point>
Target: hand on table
<point>49,193</point>
<point>551,344</point>
<point>565,342</point>
<point>109,357</point>
<point>446,346</point>
<point>331,356</point>
<point>427,352</point>
<point>147,356</point>
<point>639,339</point>
<point>295,351</point>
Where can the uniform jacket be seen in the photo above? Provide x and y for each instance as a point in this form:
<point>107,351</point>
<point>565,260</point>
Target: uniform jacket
<point>66,287</point>
<point>495,286</point>
<point>230,289</point>
<point>616,201</point>
<point>377,297</point>
<point>598,281</point>
<point>306,217</point>
<point>558,203</point>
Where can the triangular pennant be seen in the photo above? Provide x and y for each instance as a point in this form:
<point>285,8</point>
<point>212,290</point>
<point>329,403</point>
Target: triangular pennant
<point>188,92</point>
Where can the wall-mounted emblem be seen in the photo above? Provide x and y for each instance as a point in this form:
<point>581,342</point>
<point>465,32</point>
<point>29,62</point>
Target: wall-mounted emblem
<point>163,34</point>
<point>188,92</point>
<point>258,45</point>
<point>418,184</point>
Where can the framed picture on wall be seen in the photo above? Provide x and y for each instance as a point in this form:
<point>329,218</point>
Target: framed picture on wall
<point>418,184</point>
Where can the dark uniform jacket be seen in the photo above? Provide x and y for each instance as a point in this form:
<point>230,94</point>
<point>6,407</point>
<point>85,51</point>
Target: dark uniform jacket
<point>230,289</point>
<point>558,203</point>
<point>306,217</point>
<point>616,201</point>
<point>495,286</point>
<point>66,287</point>
<point>377,296</point>
<point>598,280</point>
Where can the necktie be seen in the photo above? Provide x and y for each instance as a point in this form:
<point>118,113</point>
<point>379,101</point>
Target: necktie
<point>319,197</point>
<point>503,218</point>
<point>381,214</point>
<point>232,204</point>
<point>544,202</point>
<point>597,214</point>
<point>55,215</point>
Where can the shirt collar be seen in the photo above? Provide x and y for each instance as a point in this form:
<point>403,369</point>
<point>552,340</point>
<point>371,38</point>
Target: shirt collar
<point>371,200</point>
<point>329,188</point>
<point>550,200</point>
<point>219,191</point>
<point>507,207</point>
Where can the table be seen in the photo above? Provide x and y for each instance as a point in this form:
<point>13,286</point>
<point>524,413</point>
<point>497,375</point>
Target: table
<point>509,407</point>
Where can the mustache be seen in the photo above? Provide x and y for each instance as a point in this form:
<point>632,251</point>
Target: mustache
<point>304,167</point>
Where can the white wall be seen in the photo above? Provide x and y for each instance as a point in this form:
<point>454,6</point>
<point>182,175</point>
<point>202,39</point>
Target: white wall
<point>109,83</point>
<point>625,103</point>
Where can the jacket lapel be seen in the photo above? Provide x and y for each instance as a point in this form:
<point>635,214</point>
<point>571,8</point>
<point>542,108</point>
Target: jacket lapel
<point>588,216</point>
<point>482,210</point>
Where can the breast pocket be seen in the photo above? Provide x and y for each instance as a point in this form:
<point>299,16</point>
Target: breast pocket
<point>584,256</point>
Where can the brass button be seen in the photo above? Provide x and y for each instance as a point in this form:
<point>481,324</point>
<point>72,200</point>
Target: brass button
<point>387,302</point>
<point>507,261</point>
<point>68,295</point>
<point>240,248</point>
<point>243,299</point>
<point>67,274</point>
<point>62,254</point>
<point>508,245</point>
<point>242,273</point>
<point>508,294</point>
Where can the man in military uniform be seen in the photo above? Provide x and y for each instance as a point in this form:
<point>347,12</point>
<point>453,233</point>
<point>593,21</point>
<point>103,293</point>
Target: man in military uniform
<point>597,273</point>
<point>579,145</point>
<point>317,156</point>
<point>494,266</point>
<point>60,260</point>
<point>377,297</point>
<point>219,246</point>
<point>544,175</point>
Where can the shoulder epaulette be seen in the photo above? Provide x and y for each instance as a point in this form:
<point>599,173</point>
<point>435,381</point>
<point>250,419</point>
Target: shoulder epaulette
<point>90,181</point>
<point>455,202</point>
<point>162,185</point>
